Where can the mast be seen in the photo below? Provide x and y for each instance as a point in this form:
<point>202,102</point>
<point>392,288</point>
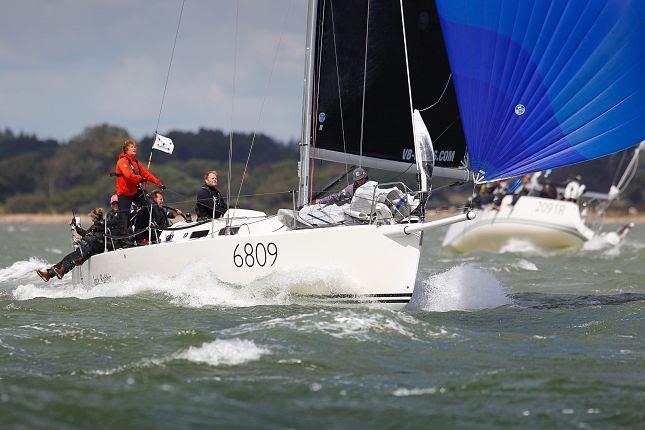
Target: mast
<point>307,106</point>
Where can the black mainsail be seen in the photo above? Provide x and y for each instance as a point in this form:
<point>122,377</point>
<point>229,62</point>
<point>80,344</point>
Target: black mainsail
<point>360,111</point>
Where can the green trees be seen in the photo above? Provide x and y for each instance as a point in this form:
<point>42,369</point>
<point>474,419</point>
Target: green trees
<point>45,176</point>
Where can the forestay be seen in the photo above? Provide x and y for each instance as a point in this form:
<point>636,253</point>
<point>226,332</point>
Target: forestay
<point>543,84</point>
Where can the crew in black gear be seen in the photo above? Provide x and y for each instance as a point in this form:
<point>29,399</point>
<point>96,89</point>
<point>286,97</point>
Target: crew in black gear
<point>91,243</point>
<point>209,195</point>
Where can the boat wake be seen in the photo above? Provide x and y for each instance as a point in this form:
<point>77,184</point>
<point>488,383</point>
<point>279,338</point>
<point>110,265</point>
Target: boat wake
<point>22,269</point>
<point>462,288</point>
<point>195,286</point>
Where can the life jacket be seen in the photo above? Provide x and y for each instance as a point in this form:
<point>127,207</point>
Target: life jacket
<point>129,173</point>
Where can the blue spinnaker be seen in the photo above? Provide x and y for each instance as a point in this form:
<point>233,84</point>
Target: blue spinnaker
<point>546,83</point>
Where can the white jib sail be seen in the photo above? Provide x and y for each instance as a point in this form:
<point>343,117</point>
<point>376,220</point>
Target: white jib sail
<point>424,152</point>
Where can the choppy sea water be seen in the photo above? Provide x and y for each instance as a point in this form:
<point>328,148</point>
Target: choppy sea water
<point>517,339</point>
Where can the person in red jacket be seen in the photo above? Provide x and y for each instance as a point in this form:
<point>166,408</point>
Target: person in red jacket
<point>130,176</point>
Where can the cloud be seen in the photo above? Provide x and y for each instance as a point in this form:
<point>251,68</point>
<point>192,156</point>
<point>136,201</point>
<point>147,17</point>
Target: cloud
<point>66,65</point>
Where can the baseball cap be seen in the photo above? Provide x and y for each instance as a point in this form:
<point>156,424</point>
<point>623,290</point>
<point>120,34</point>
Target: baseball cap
<point>358,174</point>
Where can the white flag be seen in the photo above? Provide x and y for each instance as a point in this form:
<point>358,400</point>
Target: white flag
<point>163,143</point>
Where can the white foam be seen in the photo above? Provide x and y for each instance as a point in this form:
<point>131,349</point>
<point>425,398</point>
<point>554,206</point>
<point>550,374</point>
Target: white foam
<point>224,352</point>
<point>460,288</point>
<point>195,286</point>
<point>526,265</point>
<point>342,324</point>
<point>406,392</point>
<point>519,246</point>
<point>600,242</point>
<point>22,269</point>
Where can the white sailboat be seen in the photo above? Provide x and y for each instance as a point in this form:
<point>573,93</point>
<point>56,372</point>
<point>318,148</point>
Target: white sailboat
<point>374,252</point>
<point>532,223</point>
<point>369,65</point>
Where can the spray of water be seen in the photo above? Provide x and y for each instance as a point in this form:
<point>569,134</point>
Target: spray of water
<point>22,270</point>
<point>460,288</point>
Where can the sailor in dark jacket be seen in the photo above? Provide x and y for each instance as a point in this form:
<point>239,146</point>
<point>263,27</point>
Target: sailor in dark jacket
<point>345,195</point>
<point>209,195</point>
<point>91,243</point>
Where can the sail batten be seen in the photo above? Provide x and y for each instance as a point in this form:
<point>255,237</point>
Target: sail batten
<point>543,84</point>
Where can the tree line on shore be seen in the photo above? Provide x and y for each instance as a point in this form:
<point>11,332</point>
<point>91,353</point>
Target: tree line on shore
<point>47,176</point>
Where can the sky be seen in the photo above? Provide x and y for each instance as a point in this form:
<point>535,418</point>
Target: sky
<point>69,64</point>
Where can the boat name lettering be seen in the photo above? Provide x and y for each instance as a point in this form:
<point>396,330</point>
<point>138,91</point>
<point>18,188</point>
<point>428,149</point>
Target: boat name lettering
<point>550,208</point>
<point>249,255</point>
<point>102,278</point>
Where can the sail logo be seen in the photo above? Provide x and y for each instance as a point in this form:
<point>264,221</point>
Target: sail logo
<point>444,155</point>
<point>520,109</point>
<point>408,155</point>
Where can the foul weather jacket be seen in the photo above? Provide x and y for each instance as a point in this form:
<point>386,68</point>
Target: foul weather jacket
<point>129,173</point>
<point>206,196</point>
<point>340,198</point>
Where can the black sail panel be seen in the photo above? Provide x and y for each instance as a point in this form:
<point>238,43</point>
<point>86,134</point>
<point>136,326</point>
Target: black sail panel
<point>386,122</point>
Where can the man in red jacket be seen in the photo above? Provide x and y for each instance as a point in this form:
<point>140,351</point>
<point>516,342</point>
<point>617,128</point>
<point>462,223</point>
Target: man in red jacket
<point>130,175</point>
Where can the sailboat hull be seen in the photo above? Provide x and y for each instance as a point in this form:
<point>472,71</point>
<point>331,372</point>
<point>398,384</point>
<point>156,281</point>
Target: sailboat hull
<point>533,222</point>
<point>340,264</point>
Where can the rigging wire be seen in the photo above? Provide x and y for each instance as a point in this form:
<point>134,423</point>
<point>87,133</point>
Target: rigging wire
<point>340,97</point>
<point>315,127</point>
<point>367,33</point>
<point>230,144</point>
<point>440,97</point>
<point>264,99</point>
<point>172,55</point>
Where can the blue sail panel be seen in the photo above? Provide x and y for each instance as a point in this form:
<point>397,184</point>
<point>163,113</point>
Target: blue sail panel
<point>546,83</point>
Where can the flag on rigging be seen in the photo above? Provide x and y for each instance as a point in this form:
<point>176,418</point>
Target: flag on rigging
<point>163,143</point>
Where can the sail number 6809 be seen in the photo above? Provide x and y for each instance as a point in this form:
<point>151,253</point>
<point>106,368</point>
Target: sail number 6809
<point>259,254</point>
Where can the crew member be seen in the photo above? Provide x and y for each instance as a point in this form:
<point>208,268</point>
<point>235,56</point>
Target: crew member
<point>130,176</point>
<point>574,189</point>
<point>112,221</point>
<point>162,217</point>
<point>359,175</point>
<point>209,195</point>
<point>91,243</point>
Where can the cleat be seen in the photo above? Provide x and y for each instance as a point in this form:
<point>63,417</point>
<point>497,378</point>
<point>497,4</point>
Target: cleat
<point>58,270</point>
<point>44,274</point>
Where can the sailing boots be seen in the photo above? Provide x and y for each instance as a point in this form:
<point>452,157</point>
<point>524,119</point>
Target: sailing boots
<point>44,274</point>
<point>59,271</point>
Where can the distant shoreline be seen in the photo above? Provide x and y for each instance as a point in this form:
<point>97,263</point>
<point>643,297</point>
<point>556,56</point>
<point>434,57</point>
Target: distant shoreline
<point>34,218</point>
